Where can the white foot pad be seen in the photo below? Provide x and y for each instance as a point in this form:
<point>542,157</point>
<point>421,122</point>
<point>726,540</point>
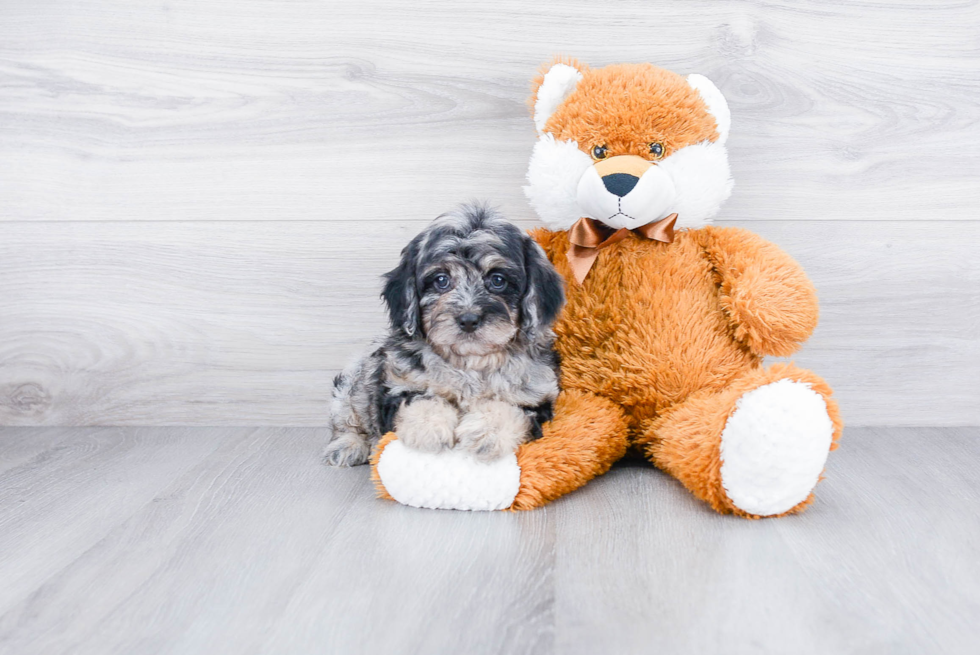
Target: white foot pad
<point>774,447</point>
<point>448,480</point>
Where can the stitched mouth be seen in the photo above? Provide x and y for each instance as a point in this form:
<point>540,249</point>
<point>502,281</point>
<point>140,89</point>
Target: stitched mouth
<point>620,212</point>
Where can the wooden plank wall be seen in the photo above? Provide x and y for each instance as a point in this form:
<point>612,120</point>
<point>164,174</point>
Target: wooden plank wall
<point>197,198</point>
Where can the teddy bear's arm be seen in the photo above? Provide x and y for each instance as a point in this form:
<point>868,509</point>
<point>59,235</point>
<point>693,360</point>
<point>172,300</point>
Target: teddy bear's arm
<point>584,439</point>
<point>767,295</point>
<point>586,436</point>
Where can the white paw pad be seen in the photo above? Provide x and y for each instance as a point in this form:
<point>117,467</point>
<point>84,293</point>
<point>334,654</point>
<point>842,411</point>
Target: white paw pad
<point>451,479</point>
<point>774,447</point>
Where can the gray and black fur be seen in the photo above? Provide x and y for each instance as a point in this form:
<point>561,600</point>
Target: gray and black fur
<point>469,360</point>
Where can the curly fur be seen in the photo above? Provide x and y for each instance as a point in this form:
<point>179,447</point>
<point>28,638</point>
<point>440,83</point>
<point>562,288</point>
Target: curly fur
<point>662,345</point>
<point>441,385</point>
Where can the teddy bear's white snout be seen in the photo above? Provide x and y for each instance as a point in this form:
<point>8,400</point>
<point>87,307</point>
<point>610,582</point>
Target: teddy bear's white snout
<point>620,199</point>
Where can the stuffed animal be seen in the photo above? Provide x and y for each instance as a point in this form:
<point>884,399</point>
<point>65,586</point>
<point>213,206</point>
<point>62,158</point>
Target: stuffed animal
<point>667,319</point>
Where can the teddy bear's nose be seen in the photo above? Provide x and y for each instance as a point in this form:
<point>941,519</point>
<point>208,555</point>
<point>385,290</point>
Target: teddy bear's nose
<point>620,183</point>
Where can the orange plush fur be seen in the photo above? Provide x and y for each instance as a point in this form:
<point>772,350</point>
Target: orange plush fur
<point>610,107</point>
<point>661,340</point>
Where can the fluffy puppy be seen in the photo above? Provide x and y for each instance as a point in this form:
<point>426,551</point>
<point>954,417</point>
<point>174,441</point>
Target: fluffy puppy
<point>469,360</point>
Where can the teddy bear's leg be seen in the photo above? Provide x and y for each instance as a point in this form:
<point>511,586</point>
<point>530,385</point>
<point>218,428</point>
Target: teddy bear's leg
<point>586,436</point>
<point>756,448</point>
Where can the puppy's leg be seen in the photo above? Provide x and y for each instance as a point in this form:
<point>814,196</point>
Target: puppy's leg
<point>348,445</point>
<point>492,429</point>
<point>427,424</point>
<point>347,449</point>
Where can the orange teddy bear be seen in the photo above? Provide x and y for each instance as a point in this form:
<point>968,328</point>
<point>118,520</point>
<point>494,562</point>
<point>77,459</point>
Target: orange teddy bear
<point>667,318</point>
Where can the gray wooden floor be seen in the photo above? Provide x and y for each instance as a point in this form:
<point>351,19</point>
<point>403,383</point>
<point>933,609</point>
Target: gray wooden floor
<point>236,540</point>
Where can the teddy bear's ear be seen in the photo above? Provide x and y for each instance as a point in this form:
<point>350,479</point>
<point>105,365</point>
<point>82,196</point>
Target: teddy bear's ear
<point>716,102</point>
<point>552,89</point>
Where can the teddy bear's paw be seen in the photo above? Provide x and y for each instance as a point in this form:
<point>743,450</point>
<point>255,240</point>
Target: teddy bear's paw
<point>451,479</point>
<point>774,447</point>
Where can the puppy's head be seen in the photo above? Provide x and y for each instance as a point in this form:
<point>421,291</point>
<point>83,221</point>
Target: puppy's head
<point>471,284</point>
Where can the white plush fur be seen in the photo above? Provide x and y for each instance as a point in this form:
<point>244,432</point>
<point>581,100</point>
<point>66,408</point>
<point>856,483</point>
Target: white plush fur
<point>563,187</point>
<point>452,479</point>
<point>595,201</point>
<point>558,84</point>
<point>651,199</point>
<point>717,105</point>
<point>553,175</point>
<point>702,183</point>
<point>774,447</point>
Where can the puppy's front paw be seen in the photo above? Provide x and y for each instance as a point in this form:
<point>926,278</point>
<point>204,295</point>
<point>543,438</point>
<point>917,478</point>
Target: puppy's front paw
<point>492,429</point>
<point>347,450</point>
<point>427,424</point>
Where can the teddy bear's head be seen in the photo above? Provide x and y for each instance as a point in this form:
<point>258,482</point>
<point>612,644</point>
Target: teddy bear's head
<point>627,145</point>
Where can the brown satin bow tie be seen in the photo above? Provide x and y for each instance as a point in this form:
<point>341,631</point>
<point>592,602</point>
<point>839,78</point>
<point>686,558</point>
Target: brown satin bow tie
<point>589,236</point>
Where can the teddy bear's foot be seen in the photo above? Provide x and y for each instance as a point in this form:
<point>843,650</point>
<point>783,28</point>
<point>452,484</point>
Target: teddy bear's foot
<point>774,447</point>
<point>756,448</point>
<point>451,479</point>
<point>587,434</point>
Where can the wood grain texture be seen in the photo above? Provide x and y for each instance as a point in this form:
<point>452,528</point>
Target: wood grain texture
<point>859,572</point>
<point>193,323</point>
<point>319,110</point>
<point>196,198</point>
<point>237,540</point>
<point>62,501</point>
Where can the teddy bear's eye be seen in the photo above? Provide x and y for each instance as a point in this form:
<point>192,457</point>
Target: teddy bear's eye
<point>657,149</point>
<point>598,152</point>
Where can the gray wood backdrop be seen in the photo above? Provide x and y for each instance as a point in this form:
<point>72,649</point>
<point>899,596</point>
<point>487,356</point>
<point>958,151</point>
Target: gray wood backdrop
<point>197,198</point>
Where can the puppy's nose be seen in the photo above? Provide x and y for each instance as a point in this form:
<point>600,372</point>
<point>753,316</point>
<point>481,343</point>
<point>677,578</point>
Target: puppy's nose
<point>620,183</point>
<point>468,322</point>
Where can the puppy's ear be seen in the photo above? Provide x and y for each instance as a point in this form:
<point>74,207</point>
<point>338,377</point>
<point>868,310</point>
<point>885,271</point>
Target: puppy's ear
<point>544,293</point>
<point>400,294</point>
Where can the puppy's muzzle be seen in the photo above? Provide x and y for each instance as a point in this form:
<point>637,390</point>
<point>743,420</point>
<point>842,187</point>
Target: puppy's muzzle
<point>620,174</point>
<point>469,321</point>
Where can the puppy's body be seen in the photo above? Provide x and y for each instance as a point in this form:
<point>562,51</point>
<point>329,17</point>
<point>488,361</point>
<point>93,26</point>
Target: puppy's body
<point>469,361</point>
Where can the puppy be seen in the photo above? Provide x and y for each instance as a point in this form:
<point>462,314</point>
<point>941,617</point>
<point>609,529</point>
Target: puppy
<point>469,360</point>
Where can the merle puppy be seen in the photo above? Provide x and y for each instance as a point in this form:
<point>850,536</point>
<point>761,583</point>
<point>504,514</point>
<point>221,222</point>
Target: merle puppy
<point>469,361</point>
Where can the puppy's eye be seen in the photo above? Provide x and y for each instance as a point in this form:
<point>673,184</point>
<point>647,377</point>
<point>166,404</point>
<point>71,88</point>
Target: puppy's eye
<point>496,282</point>
<point>441,282</point>
<point>657,150</point>
<point>598,152</point>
